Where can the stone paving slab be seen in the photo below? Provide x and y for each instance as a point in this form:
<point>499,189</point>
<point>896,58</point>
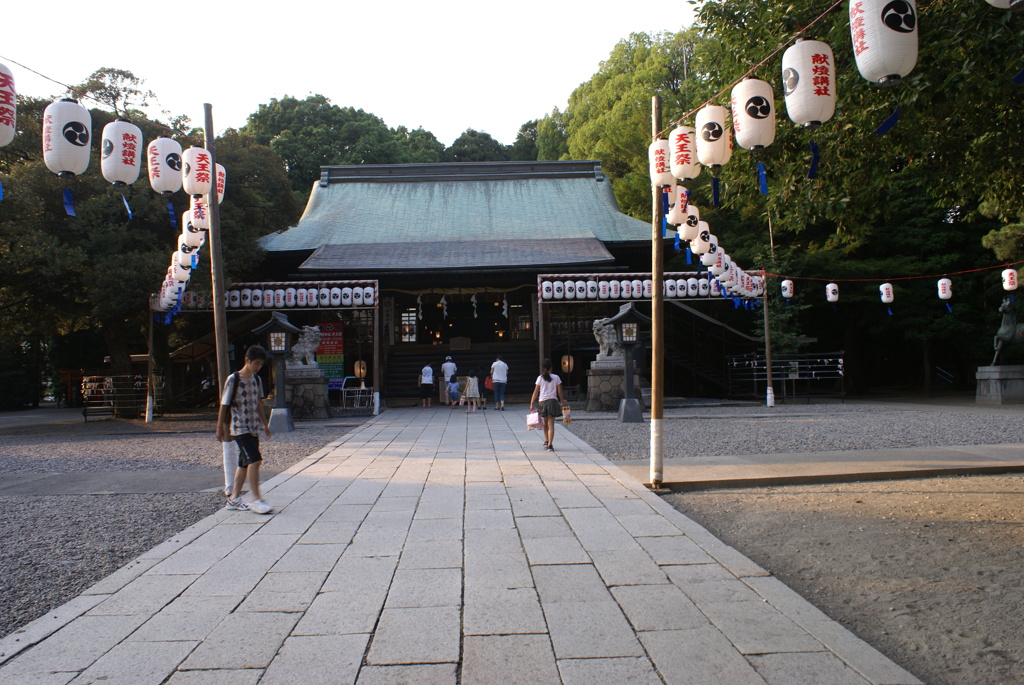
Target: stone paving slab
<point>430,546</point>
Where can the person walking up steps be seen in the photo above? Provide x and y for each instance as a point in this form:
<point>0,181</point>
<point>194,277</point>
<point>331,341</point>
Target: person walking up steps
<point>548,390</point>
<point>241,401</point>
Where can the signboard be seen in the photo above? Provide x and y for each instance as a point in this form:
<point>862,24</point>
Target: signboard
<point>330,355</point>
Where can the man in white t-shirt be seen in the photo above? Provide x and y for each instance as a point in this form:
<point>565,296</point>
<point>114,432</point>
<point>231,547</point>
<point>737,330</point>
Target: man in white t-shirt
<point>448,370</point>
<point>499,376</point>
<point>426,381</point>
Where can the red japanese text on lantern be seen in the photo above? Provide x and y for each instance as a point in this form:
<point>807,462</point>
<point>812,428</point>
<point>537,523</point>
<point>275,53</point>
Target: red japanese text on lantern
<point>47,127</point>
<point>202,168</point>
<point>154,162</point>
<point>6,81</point>
<point>857,27</point>
<point>660,162</point>
<point>682,149</point>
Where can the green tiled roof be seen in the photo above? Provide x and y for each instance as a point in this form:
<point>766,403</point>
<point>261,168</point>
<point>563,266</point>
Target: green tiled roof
<point>359,214</point>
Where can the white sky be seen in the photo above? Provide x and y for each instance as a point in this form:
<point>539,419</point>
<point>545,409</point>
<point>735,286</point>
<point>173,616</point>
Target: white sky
<point>446,66</point>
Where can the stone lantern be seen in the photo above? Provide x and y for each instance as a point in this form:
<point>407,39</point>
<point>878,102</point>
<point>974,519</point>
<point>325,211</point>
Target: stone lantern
<point>278,335</point>
<point>627,330</point>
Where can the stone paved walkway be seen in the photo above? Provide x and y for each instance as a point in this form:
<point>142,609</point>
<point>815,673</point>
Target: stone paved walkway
<point>432,546</point>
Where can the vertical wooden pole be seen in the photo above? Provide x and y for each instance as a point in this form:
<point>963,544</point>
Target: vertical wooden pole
<point>220,325</point>
<point>657,318</point>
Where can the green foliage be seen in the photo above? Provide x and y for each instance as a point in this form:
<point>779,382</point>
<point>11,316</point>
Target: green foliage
<point>421,146</point>
<point>476,146</point>
<point>552,139</point>
<point>524,149</point>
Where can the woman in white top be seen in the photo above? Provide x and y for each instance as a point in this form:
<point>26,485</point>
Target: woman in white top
<point>548,391</point>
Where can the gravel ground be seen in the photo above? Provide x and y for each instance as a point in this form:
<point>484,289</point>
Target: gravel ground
<point>54,547</point>
<point>925,570</point>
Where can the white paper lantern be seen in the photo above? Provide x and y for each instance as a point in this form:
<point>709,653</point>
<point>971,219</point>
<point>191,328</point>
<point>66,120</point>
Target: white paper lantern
<point>603,290</point>
<point>670,287</point>
<point>346,297</point>
<point>199,212</point>
<point>701,243</point>
<point>268,298</point>
<point>787,289</point>
<point>682,287</point>
<point>300,297</point>
<point>636,289</point>
<point>648,288</point>
<point>683,151</point>
<point>716,288</point>
<point>234,298</point>
<point>245,297</point>
<point>197,171</point>
<point>581,290</point>
<point>559,288</point>
<point>164,160</point>
<point>753,114</point>
<point>1009,279</point>
<point>357,296</point>
<point>8,106</point>
<point>180,273</point>
<point>222,180</point>
<point>691,227</point>
<point>1005,4</point>
<point>67,135</point>
<point>692,287</point>
<point>658,157</point>
<point>324,297</point>
<point>592,290</point>
<point>832,292</point>
<point>615,289</point>
<point>886,292</point>
<point>182,259</point>
<point>121,152</point>
<point>570,290</point>
<point>289,297</point>
<point>713,139</point>
<point>945,288</point>
<point>703,288</point>
<point>884,36</point>
<point>809,82</point>
<point>547,290</point>
<point>279,298</point>
<point>678,202</point>
<point>717,267</point>
<point>369,296</point>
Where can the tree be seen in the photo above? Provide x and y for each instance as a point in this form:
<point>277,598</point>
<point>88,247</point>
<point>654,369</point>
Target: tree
<point>420,146</point>
<point>475,146</point>
<point>525,147</point>
<point>552,143</point>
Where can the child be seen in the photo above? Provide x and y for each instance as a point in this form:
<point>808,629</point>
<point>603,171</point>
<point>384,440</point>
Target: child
<point>453,390</point>
<point>241,400</point>
<point>549,390</point>
<point>472,392</point>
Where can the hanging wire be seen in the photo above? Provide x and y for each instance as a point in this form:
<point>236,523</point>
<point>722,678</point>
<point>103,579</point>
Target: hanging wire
<point>896,278</point>
<point>752,69</point>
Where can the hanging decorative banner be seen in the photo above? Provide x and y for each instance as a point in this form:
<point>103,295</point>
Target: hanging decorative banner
<point>884,34</point>
<point>8,107</point>
<point>808,80</point>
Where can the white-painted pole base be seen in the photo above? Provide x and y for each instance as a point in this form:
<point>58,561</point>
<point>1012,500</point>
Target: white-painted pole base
<point>376,404</point>
<point>657,452</point>
<point>771,397</point>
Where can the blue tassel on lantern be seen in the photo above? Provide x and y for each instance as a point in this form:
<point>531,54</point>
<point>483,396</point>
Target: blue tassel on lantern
<point>170,213</point>
<point>69,204</point>
<point>948,308</point>
<point>1019,78</point>
<point>689,255</point>
<point>888,123</point>
<point>812,172</point>
<point>1,192</point>
<point>714,192</point>
<point>125,200</point>
<point>677,240</point>
<point>762,178</point>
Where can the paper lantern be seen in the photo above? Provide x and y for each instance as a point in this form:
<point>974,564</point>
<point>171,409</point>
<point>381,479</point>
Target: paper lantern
<point>199,213</point>
<point>636,289</point>
<point>346,297</point>
<point>184,259</point>
<point>245,297</point>
<point>278,298</point>
<point>691,227</point>
<point>681,287</point>
<point>268,298</point>
<point>559,289</point>
<point>357,297</point>
<point>692,287</point>
<point>787,289</point>
<point>832,292</point>
<point>703,289</point>
<point>581,290</point>
<point>592,290</point>
<point>164,161</point>
<point>289,297</point>
<point>809,82</point>
<point>222,179</point>
<point>753,114</point>
<point>8,106</point>
<point>121,152</point>
<point>884,36</point>
<point>626,289</point>
<point>670,287</point>
<point>615,289</point>
<point>1009,279</point>
<point>191,235</point>
<point>1005,4</point>
<point>648,288</point>
<point>300,297</point>
<point>67,134</point>
<point>886,292</point>
<point>700,244</point>
<point>945,288</point>
<point>369,296</point>
<point>257,298</point>
<point>313,297</point>
<point>713,139</point>
<point>180,273</point>
<point>678,202</point>
<point>569,289</point>
<point>683,151</point>
<point>197,171</point>
<point>603,290</point>
<point>234,298</point>
<point>547,290</point>
<point>658,157</point>
<point>324,297</point>
<point>716,288</point>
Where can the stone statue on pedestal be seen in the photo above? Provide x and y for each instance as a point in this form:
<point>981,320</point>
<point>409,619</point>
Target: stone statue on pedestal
<point>610,349</point>
<point>304,351</point>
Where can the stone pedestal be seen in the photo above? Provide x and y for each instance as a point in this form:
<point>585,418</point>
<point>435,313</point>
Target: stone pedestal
<point>1000,385</point>
<point>607,385</point>
<point>306,392</point>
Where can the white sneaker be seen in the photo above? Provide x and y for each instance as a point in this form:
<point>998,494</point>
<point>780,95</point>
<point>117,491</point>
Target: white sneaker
<point>260,507</point>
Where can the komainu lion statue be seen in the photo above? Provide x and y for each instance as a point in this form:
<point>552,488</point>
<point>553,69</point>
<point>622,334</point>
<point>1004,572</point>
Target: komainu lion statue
<point>607,340</point>
<point>304,351</point>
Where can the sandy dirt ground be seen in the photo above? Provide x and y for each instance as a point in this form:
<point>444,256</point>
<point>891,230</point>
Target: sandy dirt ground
<point>928,571</point>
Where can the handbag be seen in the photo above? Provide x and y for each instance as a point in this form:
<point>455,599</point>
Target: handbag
<point>533,421</point>
<point>489,383</point>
